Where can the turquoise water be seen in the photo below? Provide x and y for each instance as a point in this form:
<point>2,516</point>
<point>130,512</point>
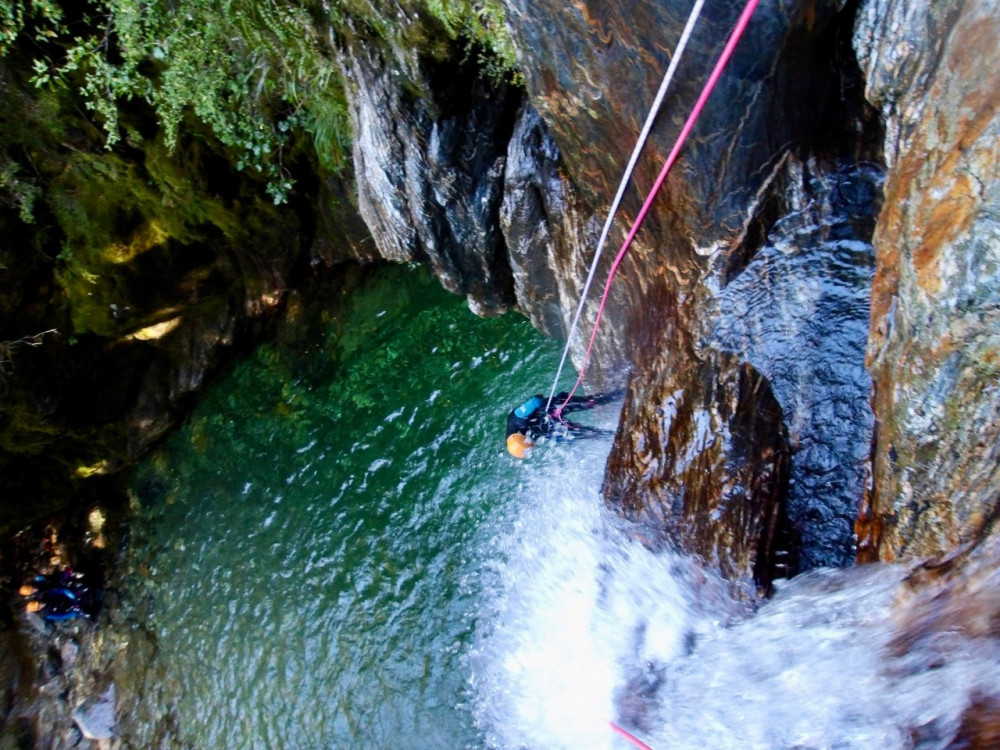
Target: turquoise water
<point>309,542</point>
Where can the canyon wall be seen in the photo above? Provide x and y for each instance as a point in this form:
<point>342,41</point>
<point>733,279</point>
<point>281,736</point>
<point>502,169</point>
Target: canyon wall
<point>934,347</point>
<point>806,323</point>
<point>766,217</point>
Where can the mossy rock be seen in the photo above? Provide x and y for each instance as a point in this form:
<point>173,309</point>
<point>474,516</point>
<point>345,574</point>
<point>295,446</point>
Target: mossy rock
<point>132,222</point>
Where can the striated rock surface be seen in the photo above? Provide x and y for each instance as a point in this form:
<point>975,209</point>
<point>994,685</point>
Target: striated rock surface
<point>934,348</point>
<point>541,224</point>
<point>551,234</point>
<point>757,248</point>
<point>430,140</point>
<point>933,341</point>
<point>715,470</point>
<point>690,285</point>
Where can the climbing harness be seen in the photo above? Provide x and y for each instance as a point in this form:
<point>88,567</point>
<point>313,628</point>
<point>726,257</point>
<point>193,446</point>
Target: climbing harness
<point>639,144</point>
<point>727,52</point>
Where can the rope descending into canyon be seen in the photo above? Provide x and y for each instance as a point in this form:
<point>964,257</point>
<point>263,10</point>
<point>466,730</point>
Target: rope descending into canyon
<point>727,52</point>
<point>630,737</point>
<point>626,176</point>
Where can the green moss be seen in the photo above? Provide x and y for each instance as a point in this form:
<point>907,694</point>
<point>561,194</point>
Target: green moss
<point>112,211</point>
<point>134,154</point>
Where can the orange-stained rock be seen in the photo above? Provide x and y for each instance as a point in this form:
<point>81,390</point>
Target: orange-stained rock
<point>934,350</point>
<point>712,475</point>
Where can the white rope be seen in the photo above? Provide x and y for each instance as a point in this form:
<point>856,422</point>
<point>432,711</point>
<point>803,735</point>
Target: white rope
<point>653,110</point>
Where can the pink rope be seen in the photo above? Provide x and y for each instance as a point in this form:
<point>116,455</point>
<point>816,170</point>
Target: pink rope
<point>734,38</point>
<point>630,737</point>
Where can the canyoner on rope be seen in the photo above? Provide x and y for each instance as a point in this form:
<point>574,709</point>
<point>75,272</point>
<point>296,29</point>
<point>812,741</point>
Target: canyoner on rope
<point>534,419</point>
<point>530,421</point>
<point>713,78</point>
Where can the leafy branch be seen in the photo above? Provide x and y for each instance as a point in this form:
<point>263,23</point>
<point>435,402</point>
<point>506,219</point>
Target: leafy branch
<point>256,72</point>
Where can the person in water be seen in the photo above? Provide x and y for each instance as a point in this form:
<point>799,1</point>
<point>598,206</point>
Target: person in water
<point>61,596</point>
<point>532,420</point>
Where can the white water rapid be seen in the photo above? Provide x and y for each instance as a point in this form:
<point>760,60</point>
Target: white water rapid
<point>586,626</point>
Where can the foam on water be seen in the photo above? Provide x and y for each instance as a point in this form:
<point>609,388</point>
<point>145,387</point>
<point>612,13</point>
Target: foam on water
<point>579,609</point>
<point>587,626</point>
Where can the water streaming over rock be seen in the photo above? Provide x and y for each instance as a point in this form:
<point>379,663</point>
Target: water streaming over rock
<point>578,613</point>
<point>799,314</point>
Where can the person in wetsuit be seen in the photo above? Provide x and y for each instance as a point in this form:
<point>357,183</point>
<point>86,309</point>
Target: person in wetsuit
<point>61,596</point>
<point>531,420</point>
<point>56,604</point>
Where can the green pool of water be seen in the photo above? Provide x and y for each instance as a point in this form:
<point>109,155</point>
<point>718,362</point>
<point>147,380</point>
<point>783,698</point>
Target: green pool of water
<point>307,558</point>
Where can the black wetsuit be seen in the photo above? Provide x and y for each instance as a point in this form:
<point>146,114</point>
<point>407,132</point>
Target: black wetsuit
<point>532,420</point>
<point>65,595</point>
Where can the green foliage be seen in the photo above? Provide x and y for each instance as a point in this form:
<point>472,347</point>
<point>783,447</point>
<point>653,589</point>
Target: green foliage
<point>481,24</point>
<point>44,15</point>
<point>251,71</point>
<point>255,72</point>
<point>20,192</point>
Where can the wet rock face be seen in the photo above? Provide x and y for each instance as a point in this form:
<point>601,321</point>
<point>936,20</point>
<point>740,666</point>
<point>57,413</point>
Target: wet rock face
<point>787,113</point>
<point>949,609</point>
<point>789,97</point>
<point>799,314</point>
<point>429,159</point>
<point>592,70</point>
<point>551,233</point>
<point>711,475</point>
<point>544,225</point>
<point>934,350</point>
